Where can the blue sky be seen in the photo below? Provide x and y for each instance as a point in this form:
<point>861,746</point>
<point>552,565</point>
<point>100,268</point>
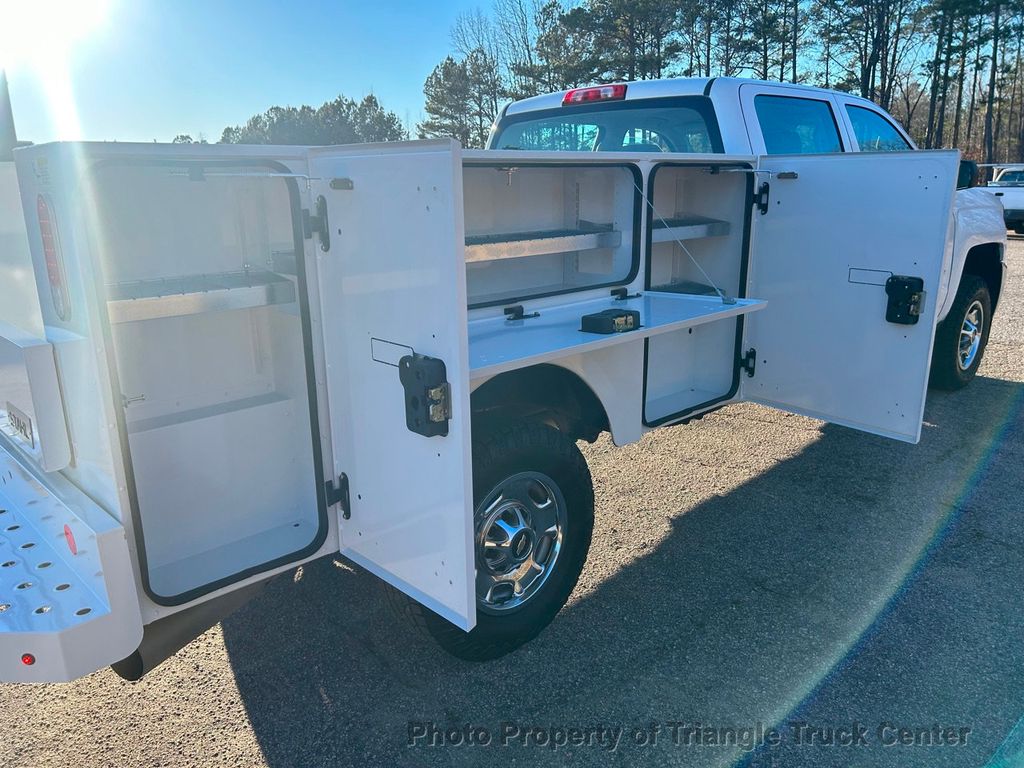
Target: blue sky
<point>153,69</point>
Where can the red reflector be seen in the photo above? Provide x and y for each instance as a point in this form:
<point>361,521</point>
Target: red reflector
<point>28,659</point>
<point>597,93</point>
<point>69,536</point>
<point>54,257</point>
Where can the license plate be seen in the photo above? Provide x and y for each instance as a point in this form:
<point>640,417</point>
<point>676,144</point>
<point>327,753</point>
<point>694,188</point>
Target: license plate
<point>21,424</point>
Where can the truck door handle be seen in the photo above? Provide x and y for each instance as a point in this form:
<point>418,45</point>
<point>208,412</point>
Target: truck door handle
<point>1000,194</point>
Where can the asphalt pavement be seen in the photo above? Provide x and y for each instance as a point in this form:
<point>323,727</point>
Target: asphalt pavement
<point>762,590</point>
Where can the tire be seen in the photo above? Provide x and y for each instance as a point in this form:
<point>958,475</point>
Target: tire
<point>954,364</point>
<point>1018,229</point>
<point>538,462</point>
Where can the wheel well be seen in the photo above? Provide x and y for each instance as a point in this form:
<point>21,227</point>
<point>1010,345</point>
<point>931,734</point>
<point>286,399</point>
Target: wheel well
<point>548,393</point>
<point>985,261</point>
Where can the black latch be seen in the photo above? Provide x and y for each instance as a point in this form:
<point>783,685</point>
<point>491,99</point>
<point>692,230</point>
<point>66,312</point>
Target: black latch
<point>906,299</point>
<point>621,294</point>
<point>428,399</point>
<point>761,198</point>
<point>318,224</point>
<point>337,493</point>
<point>748,361</point>
<point>516,312</point>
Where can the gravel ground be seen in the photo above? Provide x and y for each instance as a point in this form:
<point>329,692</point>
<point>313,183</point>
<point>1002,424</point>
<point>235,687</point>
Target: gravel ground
<point>754,570</point>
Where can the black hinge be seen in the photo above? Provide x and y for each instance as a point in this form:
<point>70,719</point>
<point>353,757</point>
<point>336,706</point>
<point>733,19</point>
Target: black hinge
<point>318,224</point>
<point>906,299</point>
<point>748,361</point>
<point>428,397</point>
<point>337,493</point>
<point>761,197</point>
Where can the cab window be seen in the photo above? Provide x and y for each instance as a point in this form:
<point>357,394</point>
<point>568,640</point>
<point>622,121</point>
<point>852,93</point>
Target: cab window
<point>874,133</point>
<point>797,126</point>
<point>675,124</point>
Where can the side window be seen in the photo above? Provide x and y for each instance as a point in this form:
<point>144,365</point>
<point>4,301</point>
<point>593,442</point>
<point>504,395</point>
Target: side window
<point>874,133</point>
<point>797,126</point>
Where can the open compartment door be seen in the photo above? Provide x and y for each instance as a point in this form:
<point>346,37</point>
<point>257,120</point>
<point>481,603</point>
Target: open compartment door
<point>392,286</point>
<point>834,342</point>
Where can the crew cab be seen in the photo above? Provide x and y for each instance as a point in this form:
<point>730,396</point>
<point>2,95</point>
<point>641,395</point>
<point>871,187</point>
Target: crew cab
<point>736,115</point>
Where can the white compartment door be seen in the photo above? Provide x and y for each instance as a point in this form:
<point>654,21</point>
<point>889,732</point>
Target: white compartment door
<point>821,256</point>
<point>393,284</point>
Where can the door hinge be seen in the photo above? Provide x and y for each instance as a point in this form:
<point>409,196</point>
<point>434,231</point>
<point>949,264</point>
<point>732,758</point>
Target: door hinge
<point>337,493</point>
<point>748,361</point>
<point>317,224</point>
<point>761,197</point>
<point>428,396</point>
<point>906,299</point>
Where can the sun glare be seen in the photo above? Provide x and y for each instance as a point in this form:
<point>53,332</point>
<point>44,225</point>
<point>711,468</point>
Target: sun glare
<point>39,37</point>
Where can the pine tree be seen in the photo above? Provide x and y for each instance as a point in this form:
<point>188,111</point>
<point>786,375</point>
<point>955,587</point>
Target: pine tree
<point>447,93</point>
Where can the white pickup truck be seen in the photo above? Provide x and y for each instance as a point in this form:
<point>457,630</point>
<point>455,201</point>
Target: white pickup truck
<point>220,362</point>
<point>735,115</point>
<point>1007,186</point>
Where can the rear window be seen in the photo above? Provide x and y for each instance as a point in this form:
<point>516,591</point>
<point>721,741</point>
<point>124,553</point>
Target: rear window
<point>652,125</point>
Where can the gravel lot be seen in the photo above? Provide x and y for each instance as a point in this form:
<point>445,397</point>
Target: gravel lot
<point>752,568</point>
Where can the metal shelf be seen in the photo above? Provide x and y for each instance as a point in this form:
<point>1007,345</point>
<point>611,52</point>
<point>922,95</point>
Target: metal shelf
<point>497,345</point>
<point>195,294</point>
<point>687,228</point>
<point>517,245</point>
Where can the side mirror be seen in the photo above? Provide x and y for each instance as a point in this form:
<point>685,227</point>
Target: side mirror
<point>968,175</point>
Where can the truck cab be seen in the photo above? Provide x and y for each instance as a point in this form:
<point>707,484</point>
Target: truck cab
<point>1007,186</point>
<point>736,115</point>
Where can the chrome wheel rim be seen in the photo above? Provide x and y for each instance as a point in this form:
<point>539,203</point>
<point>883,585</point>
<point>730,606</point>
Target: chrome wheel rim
<point>519,531</point>
<point>970,335</point>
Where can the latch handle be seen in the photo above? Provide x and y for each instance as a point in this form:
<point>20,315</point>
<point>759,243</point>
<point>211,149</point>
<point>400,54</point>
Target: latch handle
<point>428,398</point>
<point>906,299</point>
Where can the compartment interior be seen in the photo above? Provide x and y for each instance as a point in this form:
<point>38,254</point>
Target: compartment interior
<point>698,220</point>
<point>540,230</point>
<point>537,230</point>
<point>202,293</point>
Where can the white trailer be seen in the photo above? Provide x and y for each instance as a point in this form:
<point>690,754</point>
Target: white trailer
<point>251,357</point>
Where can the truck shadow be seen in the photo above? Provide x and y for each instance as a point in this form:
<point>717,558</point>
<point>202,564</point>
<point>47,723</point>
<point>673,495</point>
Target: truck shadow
<point>742,607</point>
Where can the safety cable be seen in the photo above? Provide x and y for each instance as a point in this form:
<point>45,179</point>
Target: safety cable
<point>726,298</point>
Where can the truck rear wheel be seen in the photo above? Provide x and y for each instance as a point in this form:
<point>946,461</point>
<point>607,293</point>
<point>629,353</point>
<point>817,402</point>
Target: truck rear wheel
<point>961,338</point>
<point>533,519</point>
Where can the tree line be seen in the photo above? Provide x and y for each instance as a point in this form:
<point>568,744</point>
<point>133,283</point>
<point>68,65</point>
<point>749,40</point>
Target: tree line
<point>949,70</point>
<point>341,121</point>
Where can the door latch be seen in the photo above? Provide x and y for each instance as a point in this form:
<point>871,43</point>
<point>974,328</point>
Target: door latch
<point>906,299</point>
<point>428,397</point>
<point>318,224</point>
